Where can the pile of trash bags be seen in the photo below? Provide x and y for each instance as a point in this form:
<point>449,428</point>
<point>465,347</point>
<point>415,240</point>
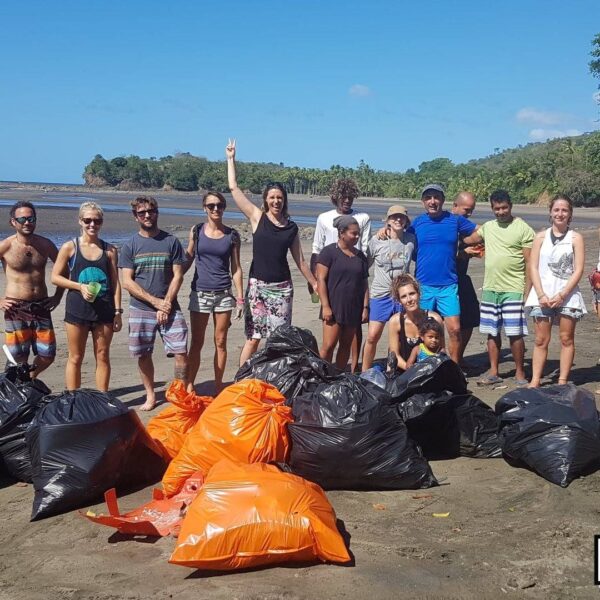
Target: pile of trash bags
<point>244,474</point>
<point>553,431</point>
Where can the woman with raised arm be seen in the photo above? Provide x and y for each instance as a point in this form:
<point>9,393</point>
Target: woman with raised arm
<point>404,327</point>
<point>269,294</point>
<point>86,266</point>
<point>555,268</point>
<point>214,250</point>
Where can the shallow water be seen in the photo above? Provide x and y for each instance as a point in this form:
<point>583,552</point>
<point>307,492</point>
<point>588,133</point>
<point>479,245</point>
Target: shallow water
<point>304,212</point>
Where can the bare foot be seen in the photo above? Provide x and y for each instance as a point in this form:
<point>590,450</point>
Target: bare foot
<point>148,405</point>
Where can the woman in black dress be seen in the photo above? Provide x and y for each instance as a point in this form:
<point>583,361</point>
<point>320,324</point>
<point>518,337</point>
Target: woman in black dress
<point>342,278</point>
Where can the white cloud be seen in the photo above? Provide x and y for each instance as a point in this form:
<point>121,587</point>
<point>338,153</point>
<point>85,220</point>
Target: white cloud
<point>359,90</point>
<point>541,135</point>
<point>540,117</point>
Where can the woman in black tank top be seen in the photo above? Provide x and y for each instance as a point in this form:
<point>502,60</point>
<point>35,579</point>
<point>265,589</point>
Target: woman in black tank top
<point>270,291</point>
<point>81,262</point>
<point>403,328</point>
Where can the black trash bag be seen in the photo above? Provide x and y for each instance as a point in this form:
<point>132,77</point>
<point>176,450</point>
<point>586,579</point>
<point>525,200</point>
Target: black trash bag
<point>290,361</point>
<point>445,425</point>
<point>346,435</point>
<point>83,443</point>
<point>434,374</point>
<point>20,399</point>
<point>553,431</point>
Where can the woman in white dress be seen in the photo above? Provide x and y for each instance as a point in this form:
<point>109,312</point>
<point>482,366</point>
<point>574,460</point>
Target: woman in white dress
<point>555,268</point>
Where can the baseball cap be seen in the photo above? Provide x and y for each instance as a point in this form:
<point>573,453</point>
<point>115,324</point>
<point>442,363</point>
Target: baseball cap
<point>396,209</point>
<point>433,186</point>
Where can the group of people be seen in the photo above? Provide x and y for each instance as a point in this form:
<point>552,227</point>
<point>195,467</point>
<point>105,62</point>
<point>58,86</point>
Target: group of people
<point>433,311</point>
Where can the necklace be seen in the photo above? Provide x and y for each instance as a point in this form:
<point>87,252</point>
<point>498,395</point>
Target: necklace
<point>27,247</point>
<point>276,222</point>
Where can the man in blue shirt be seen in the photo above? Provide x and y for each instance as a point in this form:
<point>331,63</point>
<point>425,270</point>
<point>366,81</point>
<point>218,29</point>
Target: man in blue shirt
<point>437,233</point>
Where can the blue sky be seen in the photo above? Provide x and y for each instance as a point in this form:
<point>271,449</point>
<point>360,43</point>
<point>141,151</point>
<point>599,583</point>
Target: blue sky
<point>311,83</point>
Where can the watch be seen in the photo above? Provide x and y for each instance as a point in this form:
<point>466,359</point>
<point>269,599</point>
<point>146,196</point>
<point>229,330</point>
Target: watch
<point>118,311</point>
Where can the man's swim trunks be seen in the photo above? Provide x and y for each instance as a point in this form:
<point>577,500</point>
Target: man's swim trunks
<point>29,327</point>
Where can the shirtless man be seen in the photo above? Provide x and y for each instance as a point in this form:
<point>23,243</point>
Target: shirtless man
<point>26,304</point>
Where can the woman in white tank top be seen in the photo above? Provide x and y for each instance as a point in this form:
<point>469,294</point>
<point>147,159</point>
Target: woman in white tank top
<point>555,268</point>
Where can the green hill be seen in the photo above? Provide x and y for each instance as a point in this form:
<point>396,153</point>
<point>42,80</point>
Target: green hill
<point>529,173</point>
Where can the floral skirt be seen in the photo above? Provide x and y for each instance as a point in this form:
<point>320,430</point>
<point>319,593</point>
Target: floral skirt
<point>268,305</point>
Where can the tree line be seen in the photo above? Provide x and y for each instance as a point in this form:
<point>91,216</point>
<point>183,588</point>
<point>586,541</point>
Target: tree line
<point>529,173</point>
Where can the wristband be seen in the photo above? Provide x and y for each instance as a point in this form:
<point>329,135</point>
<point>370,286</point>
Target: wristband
<point>239,301</point>
<point>118,311</point>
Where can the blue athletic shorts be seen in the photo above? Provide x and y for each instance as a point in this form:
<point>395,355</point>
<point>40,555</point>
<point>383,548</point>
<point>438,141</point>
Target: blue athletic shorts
<point>442,299</point>
<point>382,309</point>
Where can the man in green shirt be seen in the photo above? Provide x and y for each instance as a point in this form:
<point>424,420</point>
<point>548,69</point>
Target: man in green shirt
<point>508,242</point>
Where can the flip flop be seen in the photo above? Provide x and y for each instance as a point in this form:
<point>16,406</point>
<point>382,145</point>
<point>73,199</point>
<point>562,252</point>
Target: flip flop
<point>521,382</point>
<point>489,380</point>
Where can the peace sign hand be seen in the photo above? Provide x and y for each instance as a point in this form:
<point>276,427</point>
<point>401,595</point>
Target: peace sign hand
<point>230,149</point>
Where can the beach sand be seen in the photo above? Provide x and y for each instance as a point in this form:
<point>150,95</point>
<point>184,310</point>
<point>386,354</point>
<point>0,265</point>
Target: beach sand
<point>509,532</point>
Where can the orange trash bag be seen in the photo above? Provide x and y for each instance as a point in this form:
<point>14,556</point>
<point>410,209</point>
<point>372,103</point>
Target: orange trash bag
<point>171,425</point>
<point>252,515</point>
<point>160,517</point>
<point>246,422</point>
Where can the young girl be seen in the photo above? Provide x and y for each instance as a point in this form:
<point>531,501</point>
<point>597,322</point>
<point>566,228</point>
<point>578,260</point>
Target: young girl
<point>432,335</point>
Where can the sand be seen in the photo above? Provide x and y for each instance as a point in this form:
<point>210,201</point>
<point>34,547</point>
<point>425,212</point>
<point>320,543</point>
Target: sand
<point>508,532</point>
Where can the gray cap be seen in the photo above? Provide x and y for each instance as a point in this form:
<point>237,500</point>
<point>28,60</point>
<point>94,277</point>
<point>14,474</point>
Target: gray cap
<point>433,186</point>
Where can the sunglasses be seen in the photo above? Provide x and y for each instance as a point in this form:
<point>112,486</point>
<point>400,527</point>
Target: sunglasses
<point>90,220</point>
<point>397,217</point>
<point>217,206</point>
<point>275,184</point>
<point>148,211</point>
<point>23,220</point>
